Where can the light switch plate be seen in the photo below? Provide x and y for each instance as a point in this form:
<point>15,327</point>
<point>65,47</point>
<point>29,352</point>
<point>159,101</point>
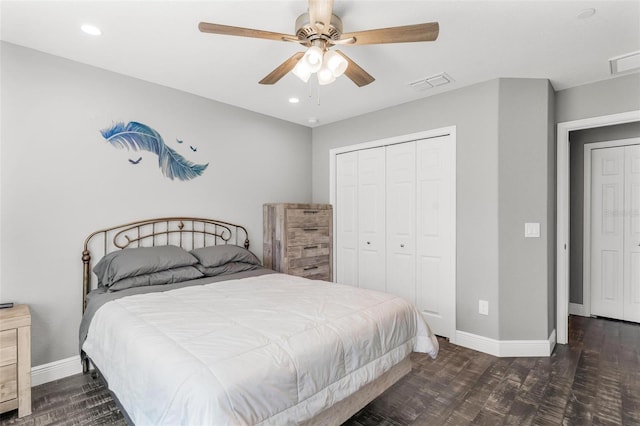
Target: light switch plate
<point>532,230</point>
<point>483,307</point>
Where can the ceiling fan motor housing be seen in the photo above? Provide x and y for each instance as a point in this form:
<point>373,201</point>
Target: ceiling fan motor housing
<point>308,32</point>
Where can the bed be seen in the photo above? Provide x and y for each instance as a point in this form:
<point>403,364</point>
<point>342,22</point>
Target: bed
<point>185,326</point>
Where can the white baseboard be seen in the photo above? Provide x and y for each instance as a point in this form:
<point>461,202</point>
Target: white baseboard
<point>506,348</point>
<point>578,309</point>
<point>55,370</point>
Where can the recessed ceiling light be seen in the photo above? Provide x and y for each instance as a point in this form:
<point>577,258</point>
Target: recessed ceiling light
<point>294,100</point>
<point>312,120</point>
<point>91,29</point>
<point>586,13</point>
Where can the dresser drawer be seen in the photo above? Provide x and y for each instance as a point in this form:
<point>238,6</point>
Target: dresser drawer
<point>8,382</point>
<point>316,272</point>
<point>307,236</point>
<point>303,218</point>
<point>309,250</point>
<point>8,347</point>
<point>304,262</point>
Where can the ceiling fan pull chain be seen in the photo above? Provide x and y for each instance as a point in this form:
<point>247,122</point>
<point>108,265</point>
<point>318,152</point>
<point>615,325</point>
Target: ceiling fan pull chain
<point>318,95</point>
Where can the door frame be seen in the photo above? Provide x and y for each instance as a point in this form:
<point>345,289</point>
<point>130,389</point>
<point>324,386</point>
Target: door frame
<point>427,134</point>
<point>586,231</point>
<point>562,209</point>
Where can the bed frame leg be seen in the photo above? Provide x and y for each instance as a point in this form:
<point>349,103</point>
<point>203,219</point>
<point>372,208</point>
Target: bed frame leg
<point>85,366</point>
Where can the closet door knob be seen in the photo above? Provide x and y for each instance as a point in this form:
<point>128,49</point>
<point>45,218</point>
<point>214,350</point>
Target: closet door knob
<point>368,242</point>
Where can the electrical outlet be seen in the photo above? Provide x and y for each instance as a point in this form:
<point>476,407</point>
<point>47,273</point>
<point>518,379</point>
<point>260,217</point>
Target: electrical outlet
<point>483,307</point>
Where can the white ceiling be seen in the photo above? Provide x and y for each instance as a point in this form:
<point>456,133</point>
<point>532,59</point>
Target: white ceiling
<point>158,41</point>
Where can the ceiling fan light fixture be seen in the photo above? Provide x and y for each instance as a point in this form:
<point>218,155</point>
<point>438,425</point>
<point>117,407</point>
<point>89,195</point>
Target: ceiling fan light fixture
<point>313,58</point>
<point>325,75</point>
<point>335,62</point>
<point>302,71</point>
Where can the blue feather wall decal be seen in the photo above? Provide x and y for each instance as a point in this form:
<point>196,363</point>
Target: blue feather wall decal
<point>140,137</point>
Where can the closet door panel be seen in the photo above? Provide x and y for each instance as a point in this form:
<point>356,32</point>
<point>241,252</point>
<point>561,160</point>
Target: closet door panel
<point>435,210</point>
<point>401,220</point>
<point>347,219</point>
<point>632,234</point>
<point>371,219</point>
<point>607,232</point>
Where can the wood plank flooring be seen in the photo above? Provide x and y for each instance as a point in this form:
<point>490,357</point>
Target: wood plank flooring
<point>595,380</point>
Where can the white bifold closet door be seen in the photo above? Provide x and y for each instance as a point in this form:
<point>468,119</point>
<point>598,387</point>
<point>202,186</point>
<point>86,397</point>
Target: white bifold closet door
<point>615,232</point>
<point>394,211</point>
<point>371,219</point>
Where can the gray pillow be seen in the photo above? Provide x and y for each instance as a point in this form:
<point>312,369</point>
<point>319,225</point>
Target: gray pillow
<point>131,262</point>
<point>227,268</point>
<point>213,256</point>
<point>169,276</point>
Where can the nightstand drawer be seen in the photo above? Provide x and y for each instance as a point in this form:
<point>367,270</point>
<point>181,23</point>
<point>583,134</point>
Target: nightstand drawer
<point>8,347</point>
<point>307,236</point>
<point>310,250</point>
<point>15,360</point>
<point>302,218</point>
<point>8,382</point>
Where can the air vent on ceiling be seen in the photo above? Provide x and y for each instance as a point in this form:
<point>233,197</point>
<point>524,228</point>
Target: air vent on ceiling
<point>431,82</point>
<point>625,63</point>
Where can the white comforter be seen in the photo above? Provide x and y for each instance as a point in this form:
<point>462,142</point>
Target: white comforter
<point>273,349</point>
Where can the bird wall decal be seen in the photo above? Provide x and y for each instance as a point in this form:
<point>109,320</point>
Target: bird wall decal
<point>135,161</point>
<point>140,137</point>
<point>193,148</point>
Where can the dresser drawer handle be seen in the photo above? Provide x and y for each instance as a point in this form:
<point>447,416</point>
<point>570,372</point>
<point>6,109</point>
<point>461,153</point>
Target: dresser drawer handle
<point>309,229</point>
<point>310,268</point>
<point>310,247</point>
<point>310,211</point>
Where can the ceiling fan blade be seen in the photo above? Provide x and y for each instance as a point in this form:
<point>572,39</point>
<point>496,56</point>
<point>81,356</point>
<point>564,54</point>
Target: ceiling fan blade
<point>282,69</point>
<point>320,12</point>
<point>207,27</point>
<point>408,33</point>
<point>355,73</point>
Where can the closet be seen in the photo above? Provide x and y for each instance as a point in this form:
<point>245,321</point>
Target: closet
<point>615,232</point>
<point>395,224</point>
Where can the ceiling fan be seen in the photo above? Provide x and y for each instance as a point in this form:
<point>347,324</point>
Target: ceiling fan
<point>320,30</point>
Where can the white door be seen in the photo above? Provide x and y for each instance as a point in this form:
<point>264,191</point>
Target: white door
<point>632,234</point>
<point>435,233</point>
<point>401,220</point>
<point>615,232</point>
<point>404,209</point>
<point>371,219</point>
<point>347,218</point>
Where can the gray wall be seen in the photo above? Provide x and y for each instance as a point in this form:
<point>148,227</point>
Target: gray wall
<point>577,140</point>
<point>60,180</point>
<point>606,97</point>
<point>525,153</point>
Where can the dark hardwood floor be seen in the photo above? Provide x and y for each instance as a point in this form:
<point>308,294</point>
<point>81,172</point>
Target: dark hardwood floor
<point>595,380</point>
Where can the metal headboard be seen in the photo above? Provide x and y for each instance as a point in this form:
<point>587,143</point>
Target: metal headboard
<point>186,232</point>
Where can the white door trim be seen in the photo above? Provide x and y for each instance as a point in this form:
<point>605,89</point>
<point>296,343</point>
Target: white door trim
<point>562,209</point>
<point>444,131</point>
<point>586,230</point>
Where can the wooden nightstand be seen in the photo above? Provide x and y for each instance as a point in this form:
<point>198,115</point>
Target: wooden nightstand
<point>15,360</point>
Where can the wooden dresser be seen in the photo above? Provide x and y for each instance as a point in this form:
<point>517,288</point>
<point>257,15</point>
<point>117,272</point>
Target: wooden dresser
<point>15,360</point>
<point>298,239</point>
